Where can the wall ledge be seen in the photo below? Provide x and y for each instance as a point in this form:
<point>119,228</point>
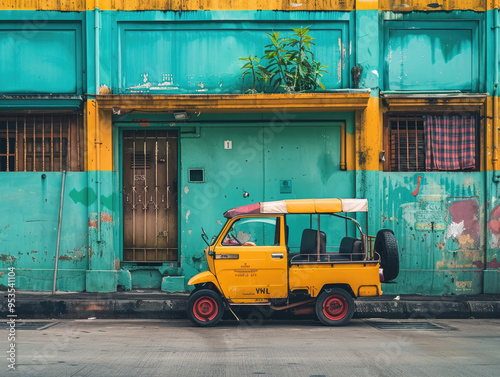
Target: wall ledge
<point>343,100</point>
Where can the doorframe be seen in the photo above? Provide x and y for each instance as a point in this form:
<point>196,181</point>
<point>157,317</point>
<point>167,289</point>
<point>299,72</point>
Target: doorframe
<point>118,129</point>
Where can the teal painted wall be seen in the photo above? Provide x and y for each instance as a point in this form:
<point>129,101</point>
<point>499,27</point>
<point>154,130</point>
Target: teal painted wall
<point>158,52</point>
<point>158,57</point>
<point>433,51</point>
<point>54,41</point>
<point>28,230</point>
<point>445,60</point>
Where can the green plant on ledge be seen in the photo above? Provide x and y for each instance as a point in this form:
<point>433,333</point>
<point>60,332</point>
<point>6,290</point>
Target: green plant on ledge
<point>291,65</point>
<point>256,70</point>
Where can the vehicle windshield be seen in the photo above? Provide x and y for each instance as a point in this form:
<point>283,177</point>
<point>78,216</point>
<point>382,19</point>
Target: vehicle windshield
<point>253,231</point>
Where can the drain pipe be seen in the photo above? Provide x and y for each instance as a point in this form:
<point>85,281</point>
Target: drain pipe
<point>496,176</point>
<point>97,140</point>
<point>54,283</point>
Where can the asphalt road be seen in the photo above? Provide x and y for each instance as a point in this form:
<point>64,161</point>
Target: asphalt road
<point>270,348</point>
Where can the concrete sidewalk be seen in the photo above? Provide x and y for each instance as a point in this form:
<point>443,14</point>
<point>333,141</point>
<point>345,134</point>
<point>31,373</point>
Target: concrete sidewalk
<point>161,305</point>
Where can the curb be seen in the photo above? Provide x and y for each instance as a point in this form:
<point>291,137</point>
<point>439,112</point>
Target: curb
<point>174,307</point>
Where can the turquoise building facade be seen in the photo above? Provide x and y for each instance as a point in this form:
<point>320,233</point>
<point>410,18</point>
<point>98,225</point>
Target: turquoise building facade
<point>144,106</point>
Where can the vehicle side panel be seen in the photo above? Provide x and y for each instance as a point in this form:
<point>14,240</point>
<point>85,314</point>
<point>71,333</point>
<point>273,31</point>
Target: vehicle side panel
<point>363,279</point>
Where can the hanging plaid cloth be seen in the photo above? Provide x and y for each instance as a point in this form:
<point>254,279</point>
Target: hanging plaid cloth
<point>450,142</point>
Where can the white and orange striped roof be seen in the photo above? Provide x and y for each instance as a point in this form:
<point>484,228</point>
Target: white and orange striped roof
<point>301,206</point>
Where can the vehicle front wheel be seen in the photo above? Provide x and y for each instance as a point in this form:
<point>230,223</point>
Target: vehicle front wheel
<point>205,307</point>
<point>334,307</point>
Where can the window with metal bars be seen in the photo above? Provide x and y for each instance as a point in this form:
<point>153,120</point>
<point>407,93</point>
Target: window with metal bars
<point>41,143</point>
<point>405,143</point>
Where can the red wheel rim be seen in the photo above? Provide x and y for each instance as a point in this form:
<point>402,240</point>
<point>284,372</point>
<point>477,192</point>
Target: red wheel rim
<point>205,308</point>
<point>335,307</point>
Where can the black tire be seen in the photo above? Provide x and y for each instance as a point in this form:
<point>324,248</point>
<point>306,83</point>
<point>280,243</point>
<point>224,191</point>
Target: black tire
<point>387,247</point>
<point>205,307</point>
<point>334,307</point>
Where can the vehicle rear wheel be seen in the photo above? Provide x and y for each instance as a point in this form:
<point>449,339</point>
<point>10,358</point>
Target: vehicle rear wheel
<point>334,307</point>
<point>205,307</point>
<point>387,247</point>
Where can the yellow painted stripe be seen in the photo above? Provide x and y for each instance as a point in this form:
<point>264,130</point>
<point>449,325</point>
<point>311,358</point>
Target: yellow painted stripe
<point>56,5</point>
<point>291,5</point>
<point>99,138</point>
<point>369,137</point>
<point>178,5</point>
<point>488,120</point>
<point>366,4</point>
<point>435,5</point>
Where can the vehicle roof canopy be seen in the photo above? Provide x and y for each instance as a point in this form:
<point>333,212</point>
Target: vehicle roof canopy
<point>300,206</point>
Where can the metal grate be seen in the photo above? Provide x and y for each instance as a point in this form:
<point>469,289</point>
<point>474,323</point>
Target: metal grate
<point>41,143</point>
<point>407,143</point>
<point>140,161</point>
<point>412,326</point>
<point>29,325</point>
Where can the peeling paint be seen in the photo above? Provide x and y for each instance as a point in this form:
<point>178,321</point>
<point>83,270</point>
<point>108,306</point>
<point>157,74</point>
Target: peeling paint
<point>454,230</point>
<point>186,190</point>
<point>190,231</point>
<point>188,212</point>
<point>93,224</point>
<point>7,258</point>
<point>103,89</point>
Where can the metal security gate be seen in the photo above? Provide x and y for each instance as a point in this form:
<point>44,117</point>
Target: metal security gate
<point>150,196</point>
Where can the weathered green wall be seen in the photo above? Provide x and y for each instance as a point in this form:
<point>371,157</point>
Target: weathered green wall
<point>433,51</point>
<point>439,225</point>
<point>28,230</point>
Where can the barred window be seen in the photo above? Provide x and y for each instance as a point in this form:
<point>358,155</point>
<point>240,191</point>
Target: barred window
<point>431,142</point>
<point>41,143</point>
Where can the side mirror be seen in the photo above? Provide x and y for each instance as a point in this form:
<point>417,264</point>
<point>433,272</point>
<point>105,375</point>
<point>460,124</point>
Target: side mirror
<point>204,236</point>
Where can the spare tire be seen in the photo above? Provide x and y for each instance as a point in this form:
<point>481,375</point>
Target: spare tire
<point>387,247</point>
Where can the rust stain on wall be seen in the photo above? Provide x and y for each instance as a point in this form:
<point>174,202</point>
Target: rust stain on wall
<point>92,223</point>
<point>106,217</point>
